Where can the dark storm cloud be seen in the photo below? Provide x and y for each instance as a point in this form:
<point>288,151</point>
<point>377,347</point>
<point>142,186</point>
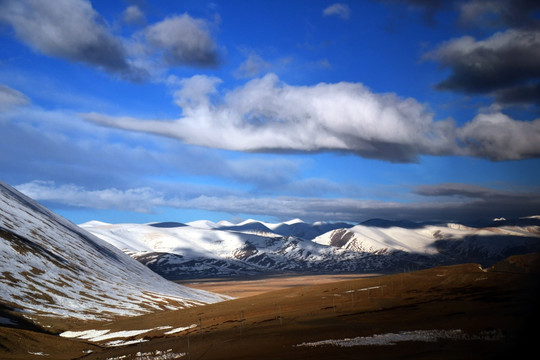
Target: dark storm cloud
<point>427,8</point>
<point>477,13</point>
<point>504,64</point>
<point>466,191</point>
<point>477,201</point>
<point>512,13</point>
<point>524,94</point>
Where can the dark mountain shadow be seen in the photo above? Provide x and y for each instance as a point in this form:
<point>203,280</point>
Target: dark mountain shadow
<point>406,224</point>
<point>251,226</point>
<point>12,319</point>
<point>308,231</point>
<point>529,221</point>
<point>477,223</point>
<point>168,224</point>
<point>486,250</point>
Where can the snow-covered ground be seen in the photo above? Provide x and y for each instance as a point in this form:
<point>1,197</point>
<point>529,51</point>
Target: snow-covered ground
<point>416,335</point>
<point>124,337</point>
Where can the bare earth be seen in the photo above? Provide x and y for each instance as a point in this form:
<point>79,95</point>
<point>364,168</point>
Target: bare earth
<point>240,288</point>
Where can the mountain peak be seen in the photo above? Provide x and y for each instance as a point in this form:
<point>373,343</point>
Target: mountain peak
<point>248,221</point>
<point>293,221</point>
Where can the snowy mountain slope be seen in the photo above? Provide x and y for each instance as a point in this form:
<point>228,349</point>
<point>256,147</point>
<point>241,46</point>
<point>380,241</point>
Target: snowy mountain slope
<point>459,243</point>
<point>51,267</point>
<point>373,239</point>
<point>186,241</point>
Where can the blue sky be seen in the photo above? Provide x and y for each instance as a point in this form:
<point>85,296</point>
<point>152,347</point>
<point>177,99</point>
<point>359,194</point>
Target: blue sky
<point>143,111</point>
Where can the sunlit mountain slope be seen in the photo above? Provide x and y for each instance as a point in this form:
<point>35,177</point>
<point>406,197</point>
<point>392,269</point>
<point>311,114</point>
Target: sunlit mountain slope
<point>51,267</point>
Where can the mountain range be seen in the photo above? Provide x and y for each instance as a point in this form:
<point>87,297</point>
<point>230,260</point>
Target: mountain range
<point>203,248</point>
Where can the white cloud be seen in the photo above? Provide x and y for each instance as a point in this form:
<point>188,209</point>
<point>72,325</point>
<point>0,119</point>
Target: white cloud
<point>253,66</point>
<point>338,9</point>
<point>183,40</point>
<point>138,199</point>
<point>10,98</point>
<point>47,144</point>
<point>196,92</point>
<point>266,115</point>
<point>498,137</point>
<point>133,15</point>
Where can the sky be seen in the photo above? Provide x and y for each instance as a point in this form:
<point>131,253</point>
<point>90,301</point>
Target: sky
<point>147,111</point>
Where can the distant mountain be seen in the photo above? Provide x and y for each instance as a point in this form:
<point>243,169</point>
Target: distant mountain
<point>295,227</point>
<point>206,249</point>
<point>449,243</point>
<point>52,267</point>
<point>248,226</point>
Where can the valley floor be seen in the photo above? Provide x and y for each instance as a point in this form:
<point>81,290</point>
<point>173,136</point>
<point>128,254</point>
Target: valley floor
<point>249,286</point>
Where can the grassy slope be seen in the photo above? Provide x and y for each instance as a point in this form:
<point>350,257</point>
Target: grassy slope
<point>268,326</point>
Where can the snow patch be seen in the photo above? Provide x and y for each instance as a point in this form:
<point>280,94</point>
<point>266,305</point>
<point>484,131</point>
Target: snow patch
<point>180,329</point>
<point>101,335</point>
<point>416,335</point>
<point>122,342</point>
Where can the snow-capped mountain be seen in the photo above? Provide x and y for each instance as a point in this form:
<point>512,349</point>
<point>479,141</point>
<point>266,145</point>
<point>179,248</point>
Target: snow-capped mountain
<point>188,251</point>
<point>203,248</point>
<point>51,267</point>
<point>450,242</point>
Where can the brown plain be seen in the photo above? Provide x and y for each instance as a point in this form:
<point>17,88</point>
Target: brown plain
<point>248,286</point>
